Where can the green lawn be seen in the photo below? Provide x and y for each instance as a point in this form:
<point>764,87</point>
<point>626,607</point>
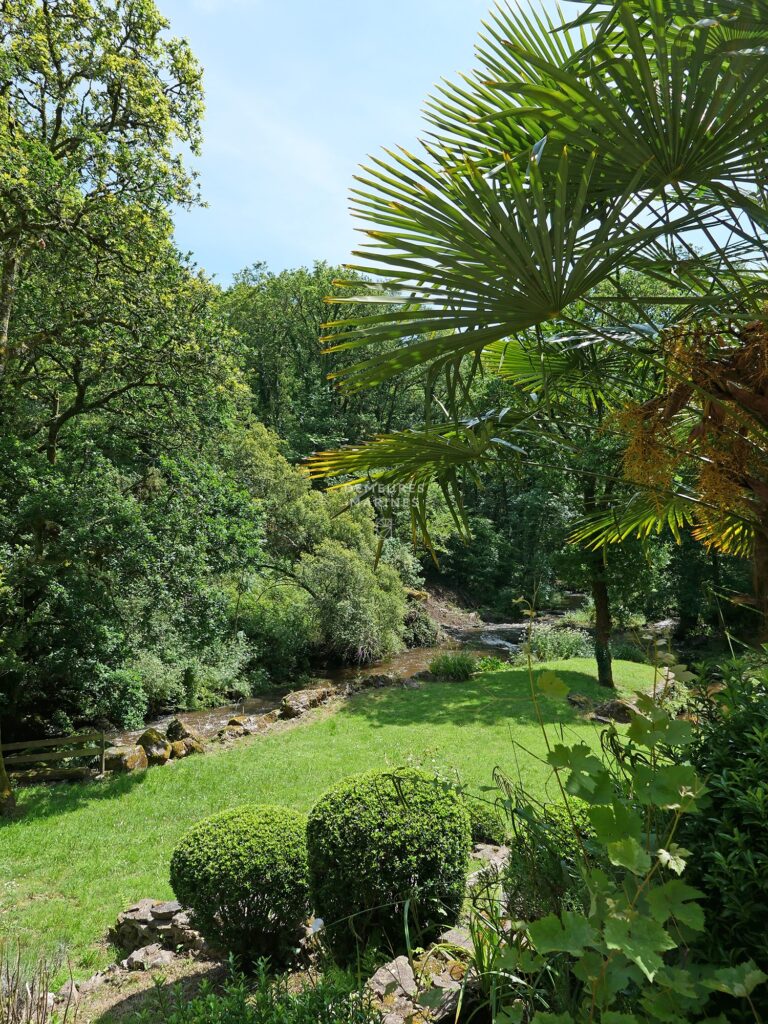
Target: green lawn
<point>81,853</point>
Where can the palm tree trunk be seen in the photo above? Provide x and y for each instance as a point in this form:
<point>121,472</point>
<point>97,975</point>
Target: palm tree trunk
<point>760,582</point>
<point>7,799</point>
<point>603,624</point>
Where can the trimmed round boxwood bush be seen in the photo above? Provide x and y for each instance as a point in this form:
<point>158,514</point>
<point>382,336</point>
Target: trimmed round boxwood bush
<point>244,876</point>
<point>378,840</point>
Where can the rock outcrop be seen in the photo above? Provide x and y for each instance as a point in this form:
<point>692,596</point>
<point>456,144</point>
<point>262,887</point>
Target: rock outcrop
<point>156,746</point>
<point>296,704</point>
<point>156,922</point>
<point>125,759</point>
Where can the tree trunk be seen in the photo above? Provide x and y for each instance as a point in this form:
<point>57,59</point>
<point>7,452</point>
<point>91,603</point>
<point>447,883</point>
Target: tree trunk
<point>603,624</point>
<point>7,799</point>
<point>600,596</point>
<point>10,269</point>
<point>760,582</point>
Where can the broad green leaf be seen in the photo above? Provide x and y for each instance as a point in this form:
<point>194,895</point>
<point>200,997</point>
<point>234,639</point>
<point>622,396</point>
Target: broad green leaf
<point>737,981</point>
<point>674,858</point>
<point>510,1014</point>
<point>671,786</point>
<point>628,853</point>
<point>552,1018</point>
<point>613,1017</point>
<point>604,977</point>
<point>432,998</point>
<point>615,822</point>
<point>674,899</point>
<point>589,779</point>
<point>551,685</point>
<point>567,934</point>
<point>641,939</point>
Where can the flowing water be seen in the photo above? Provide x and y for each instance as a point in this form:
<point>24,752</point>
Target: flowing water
<point>479,638</point>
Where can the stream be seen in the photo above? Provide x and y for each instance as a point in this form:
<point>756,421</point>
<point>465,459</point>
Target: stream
<point>465,633</point>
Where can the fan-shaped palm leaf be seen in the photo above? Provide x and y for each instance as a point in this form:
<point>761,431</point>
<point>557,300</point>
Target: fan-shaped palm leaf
<point>473,259</point>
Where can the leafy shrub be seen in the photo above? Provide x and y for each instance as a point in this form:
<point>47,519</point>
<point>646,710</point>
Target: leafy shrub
<point>401,557</point>
<point>543,876</point>
<point>730,836</point>
<point>557,643</point>
<point>244,875</point>
<point>279,623</point>
<point>127,703</point>
<point>625,650</point>
<point>487,823</point>
<point>269,1001</point>
<point>453,667</point>
<point>378,840</point>
<point>490,663</point>
<point>420,629</point>
<point>625,949</point>
<point>358,612</point>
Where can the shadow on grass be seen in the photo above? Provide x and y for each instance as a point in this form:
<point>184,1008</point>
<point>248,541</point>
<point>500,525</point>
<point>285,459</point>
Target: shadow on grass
<point>42,801</point>
<point>485,700</point>
<point>157,994</point>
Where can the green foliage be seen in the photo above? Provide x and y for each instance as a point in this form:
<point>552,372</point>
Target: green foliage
<point>420,630</point>
<point>627,650</point>
<point>490,663</point>
<point>626,951</point>
<point>388,854</point>
<point>486,821</point>
<point>730,836</point>
<point>128,698</point>
<point>557,643</point>
<point>279,319</point>
<point>244,875</point>
<point>358,611</point>
<point>453,667</point>
<point>267,1000</point>
<point>548,842</point>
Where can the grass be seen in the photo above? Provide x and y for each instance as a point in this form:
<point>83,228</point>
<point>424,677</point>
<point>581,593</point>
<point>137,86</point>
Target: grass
<point>81,853</point>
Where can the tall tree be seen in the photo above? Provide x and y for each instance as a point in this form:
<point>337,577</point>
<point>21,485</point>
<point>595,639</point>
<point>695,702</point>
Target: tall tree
<point>97,104</point>
<point>632,141</point>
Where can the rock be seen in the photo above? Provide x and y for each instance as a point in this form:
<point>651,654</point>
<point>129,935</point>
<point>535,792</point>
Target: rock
<point>578,700</point>
<point>424,676</point>
<point>615,711</point>
<point>93,983</point>
<point>457,937</point>
<point>166,911</point>
<point>147,957</point>
<point>69,993</point>
<point>242,720</point>
<point>156,746</point>
<point>378,682</point>
<point>412,684</point>
<point>194,745</point>
<point>231,732</point>
<point>179,730</point>
<point>263,722</point>
<point>394,981</point>
<point>125,759</point>
<point>179,749</point>
<point>488,860</point>
<point>295,704</point>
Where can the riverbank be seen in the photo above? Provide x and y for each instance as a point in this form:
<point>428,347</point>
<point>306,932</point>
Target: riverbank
<point>81,853</point>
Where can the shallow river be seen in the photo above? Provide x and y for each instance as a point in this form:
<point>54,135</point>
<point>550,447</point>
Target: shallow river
<point>484,638</point>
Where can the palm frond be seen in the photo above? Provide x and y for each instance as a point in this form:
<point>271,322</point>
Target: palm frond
<point>648,513</point>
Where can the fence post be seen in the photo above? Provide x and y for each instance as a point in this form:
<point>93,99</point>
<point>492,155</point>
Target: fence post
<point>103,753</point>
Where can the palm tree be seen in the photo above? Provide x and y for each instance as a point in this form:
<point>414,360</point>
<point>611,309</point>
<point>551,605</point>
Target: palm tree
<point>575,158</point>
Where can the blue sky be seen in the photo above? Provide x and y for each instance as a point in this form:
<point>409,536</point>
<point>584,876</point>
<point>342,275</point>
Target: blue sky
<point>298,93</point>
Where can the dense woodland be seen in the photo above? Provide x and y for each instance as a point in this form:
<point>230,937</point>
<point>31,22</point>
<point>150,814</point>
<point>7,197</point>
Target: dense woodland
<point>541,389</point>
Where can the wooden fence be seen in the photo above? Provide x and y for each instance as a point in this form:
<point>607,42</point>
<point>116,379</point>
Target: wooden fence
<point>23,753</point>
